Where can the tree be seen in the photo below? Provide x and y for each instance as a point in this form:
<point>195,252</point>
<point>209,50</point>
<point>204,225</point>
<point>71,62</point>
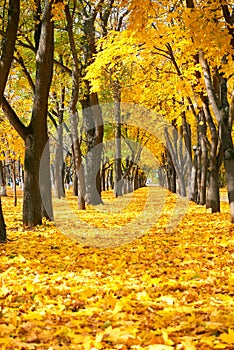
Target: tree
<point>8,46</point>
<point>173,34</point>
<point>37,190</point>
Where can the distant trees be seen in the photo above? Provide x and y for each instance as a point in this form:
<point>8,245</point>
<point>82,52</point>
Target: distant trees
<point>187,77</point>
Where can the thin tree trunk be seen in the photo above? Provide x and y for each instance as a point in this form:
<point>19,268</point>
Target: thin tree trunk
<point>118,190</point>
<point>202,159</point>
<point>3,236</point>
<point>78,166</point>
<point>194,179</point>
<point>204,166</point>
<point>14,182</point>
<point>2,180</point>
<point>7,52</point>
<point>59,161</point>
<point>58,179</point>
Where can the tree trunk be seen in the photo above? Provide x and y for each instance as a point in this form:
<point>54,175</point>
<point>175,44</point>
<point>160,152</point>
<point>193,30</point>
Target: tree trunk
<point>2,180</point>
<point>118,190</point>
<point>75,183</point>
<point>7,52</point>
<point>204,165</point>
<point>37,201</point>
<point>92,116</point>
<point>32,202</point>
<point>78,166</point>
<point>194,178</point>
<point>14,182</point>
<point>8,44</point>
<point>179,154</point>
<point>186,138</point>
<point>171,174</point>
<point>58,178</point>
<point>229,166</point>
<point>59,161</point>
<point>202,158</point>
<point>2,226</point>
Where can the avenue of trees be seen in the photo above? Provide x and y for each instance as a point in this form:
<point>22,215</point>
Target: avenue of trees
<point>61,62</point>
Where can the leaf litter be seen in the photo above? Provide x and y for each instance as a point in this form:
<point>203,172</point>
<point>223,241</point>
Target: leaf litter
<point>160,289</point>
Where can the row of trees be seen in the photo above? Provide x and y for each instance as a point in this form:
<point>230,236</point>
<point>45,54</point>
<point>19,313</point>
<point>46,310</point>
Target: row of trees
<point>176,58</point>
<point>59,60</point>
<point>40,38</point>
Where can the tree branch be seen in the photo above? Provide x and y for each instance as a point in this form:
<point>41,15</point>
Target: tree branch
<point>209,85</point>
<point>9,112</point>
<point>9,43</point>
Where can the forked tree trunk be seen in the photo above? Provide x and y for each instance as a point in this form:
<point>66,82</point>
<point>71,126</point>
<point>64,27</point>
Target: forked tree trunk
<point>225,118</point>
<point>37,201</point>
<point>36,141</point>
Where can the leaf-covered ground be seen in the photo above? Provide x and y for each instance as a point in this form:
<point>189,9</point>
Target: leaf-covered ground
<point>169,287</point>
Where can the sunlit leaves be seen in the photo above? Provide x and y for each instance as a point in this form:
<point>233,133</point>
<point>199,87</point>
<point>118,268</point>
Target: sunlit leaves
<point>11,145</point>
<point>166,290</point>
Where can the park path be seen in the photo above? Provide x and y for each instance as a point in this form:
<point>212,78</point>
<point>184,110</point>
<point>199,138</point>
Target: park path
<point>121,220</point>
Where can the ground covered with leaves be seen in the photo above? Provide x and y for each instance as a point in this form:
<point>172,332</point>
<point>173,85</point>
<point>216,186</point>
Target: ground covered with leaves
<point>169,287</point>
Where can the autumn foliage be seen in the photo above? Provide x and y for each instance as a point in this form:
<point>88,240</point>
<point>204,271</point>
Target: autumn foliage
<point>168,289</point>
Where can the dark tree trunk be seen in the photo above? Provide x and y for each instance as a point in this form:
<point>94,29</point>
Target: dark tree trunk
<point>8,45</point>
<point>93,120</point>
<point>204,165</point>
<point>2,226</point>
<point>162,176</point>
<point>32,203</point>
<point>201,160</point>
<point>75,184</point>
<point>59,159</point>
<point>213,196</point>
<point>229,166</point>
<point>77,155</point>
<point>194,178</point>
<point>2,180</point>
<point>92,116</point>
<point>135,178</point>
<point>14,182</point>
<point>37,201</point>
<point>118,191</point>
<point>58,178</point>
<point>7,52</point>
<point>171,174</point>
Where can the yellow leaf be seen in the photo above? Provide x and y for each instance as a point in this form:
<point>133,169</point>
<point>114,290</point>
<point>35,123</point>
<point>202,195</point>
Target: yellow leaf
<point>34,316</point>
<point>159,347</point>
<point>228,337</point>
